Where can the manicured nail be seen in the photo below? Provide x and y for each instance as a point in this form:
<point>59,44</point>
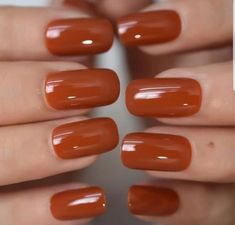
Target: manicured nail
<point>68,37</point>
<point>81,88</point>
<point>149,27</point>
<point>162,152</point>
<point>152,201</point>
<point>85,138</point>
<point>164,97</point>
<point>77,204</point>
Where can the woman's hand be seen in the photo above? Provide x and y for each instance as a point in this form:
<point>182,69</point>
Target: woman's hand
<point>186,47</point>
<point>44,95</point>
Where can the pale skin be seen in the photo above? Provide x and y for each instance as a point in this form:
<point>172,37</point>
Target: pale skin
<point>27,121</point>
<point>202,52</point>
<point>200,203</point>
<point>32,205</point>
<point>208,45</point>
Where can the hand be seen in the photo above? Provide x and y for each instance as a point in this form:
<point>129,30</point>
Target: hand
<point>172,202</point>
<point>187,46</point>
<point>44,95</point>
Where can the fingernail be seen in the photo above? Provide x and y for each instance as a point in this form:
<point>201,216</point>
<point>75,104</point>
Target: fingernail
<point>162,152</point>
<point>85,138</point>
<point>149,27</point>
<point>84,36</point>
<point>164,97</point>
<point>152,201</point>
<point>77,204</point>
<point>81,88</point>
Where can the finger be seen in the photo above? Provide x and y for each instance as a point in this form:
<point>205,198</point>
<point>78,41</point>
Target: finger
<point>109,8</point>
<point>186,96</point>
<point>199,154</point>
<point>46,33</point>
<point>66,204</point>
<point>83,5</point>
<point>173,26</point>
<point>171,203</point>
<point>142,65</point>
<point>114,9</point>
<point>53,147</point>
<point>44,91</point>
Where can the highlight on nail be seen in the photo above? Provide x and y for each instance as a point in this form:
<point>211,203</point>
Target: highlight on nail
<point>153,27</point>
<point>154,151</point>
<point>79,89</point>
<point>78,36</point>
<point>164,97</point>
<point>77,204</point>
<point>85,138</point>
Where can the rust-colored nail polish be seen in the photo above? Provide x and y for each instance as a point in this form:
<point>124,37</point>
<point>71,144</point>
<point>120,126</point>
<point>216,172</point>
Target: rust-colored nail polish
<point>77,204</point>
<point>84,88</point>
<point>149,27</point>
<point>83,36</point>
<point>152,201</point>
<point>152,151</point>
<point>85,138</point>
<point>164,97</point>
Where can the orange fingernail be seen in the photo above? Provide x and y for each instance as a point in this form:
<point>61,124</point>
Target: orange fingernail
<point>77,204</point>
<point>152,201</point>
<point>81,88</point>
<point>152,151</point>
<point>68,37</point>
<point>164,97</point>
<point>85,138</point>
<point>149,27</point>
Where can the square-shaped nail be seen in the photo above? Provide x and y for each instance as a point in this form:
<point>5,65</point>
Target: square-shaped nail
<point>81,36</point>
<point>79,89</point>
<point>149,27</point>
<point>152,201</point>
<point>164,97</point>
<point>85,138</point>
<point>76,204</point>
<point>152,151</point>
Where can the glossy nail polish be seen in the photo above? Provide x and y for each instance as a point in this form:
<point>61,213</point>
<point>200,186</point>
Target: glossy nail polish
<point>149,27</point>
<point>152,201</point>
<point>77,204</point>
<point>164,97</point>
<point>83,36</point>
<point>85,138</point>
<point>79,89</point>
<point>152,151</point>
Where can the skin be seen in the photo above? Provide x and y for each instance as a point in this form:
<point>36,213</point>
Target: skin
<point>41,156</point>
<point>32,75</point>
<point>19,201</point>
<point>26,150</point>
<point>213,78</point>
<point>202,52</point>
<point>211,204</point>
<point>207,46</point>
